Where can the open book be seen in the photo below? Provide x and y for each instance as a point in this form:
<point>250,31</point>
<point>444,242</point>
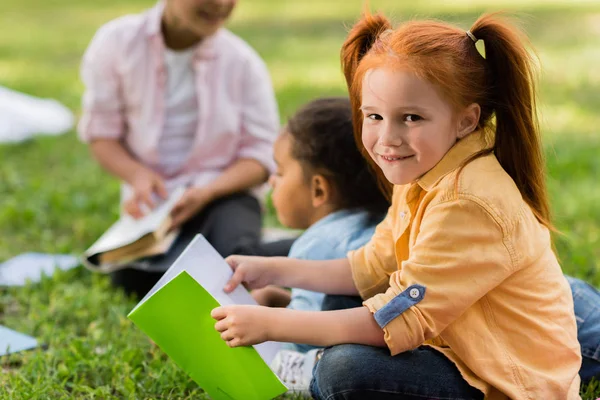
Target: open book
<point>130,239</point>
<point>175,314</point>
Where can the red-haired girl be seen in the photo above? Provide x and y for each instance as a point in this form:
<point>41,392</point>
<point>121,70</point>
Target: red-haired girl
<point>464,296</point>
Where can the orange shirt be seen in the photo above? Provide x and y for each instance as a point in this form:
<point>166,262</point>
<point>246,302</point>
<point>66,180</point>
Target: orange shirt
<point>461,264</point>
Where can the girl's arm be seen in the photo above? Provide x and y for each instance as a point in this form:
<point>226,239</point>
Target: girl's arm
<point>326,328</point>
<point>329,276</point>
<point>249,325</point>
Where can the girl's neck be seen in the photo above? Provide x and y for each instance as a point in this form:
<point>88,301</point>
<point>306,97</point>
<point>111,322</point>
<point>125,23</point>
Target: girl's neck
<point>322,212</point>
<point>177,37</point>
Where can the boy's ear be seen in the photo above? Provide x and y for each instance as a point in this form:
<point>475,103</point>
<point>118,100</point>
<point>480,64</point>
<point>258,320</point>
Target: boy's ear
<point>320,190</point>
<point>469,119</point>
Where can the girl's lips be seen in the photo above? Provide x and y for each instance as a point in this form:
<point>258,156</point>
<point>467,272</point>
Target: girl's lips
<point>395,158</point>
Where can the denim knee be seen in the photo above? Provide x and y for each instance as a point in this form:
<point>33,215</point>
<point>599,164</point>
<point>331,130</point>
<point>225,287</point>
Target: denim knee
<point>338,373</point>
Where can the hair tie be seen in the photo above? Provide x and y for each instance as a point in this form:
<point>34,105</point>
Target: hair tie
<point>472,37</point>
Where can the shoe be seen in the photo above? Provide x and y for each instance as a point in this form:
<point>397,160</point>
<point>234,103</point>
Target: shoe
<point>294,369</point>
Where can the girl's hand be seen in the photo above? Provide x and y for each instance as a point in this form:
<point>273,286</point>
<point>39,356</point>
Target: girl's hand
<point>272,296</point>
<point>253,272</point>
<point>242,325</point>
<point>191,203</point>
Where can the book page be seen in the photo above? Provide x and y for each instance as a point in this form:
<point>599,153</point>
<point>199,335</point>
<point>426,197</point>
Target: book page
<point>13,341</point>
<point>31,266</point>
<point>210,270</point>
<point>128,229</point>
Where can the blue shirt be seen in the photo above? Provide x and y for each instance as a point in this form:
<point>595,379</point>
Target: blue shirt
<point>330,238</point>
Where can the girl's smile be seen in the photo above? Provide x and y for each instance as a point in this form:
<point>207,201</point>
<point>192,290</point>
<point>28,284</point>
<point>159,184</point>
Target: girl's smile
<point>407,126</point>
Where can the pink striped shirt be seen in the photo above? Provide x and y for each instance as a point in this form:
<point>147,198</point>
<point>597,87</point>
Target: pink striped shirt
<point>124,74</point>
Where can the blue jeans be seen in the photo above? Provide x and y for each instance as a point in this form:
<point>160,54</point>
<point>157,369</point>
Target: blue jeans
<point>356,371</point>
<point>587,313</point>
<point>352,371</point>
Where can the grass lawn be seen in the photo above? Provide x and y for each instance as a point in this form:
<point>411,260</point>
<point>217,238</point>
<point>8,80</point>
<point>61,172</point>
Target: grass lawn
<point>54,198</point>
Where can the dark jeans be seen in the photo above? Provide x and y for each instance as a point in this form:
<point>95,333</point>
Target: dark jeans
<point>587,313</point>
<point>352,371</point>
<point>232,225</point>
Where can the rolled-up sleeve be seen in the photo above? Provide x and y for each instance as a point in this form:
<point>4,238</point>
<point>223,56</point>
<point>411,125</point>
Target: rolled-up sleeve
<point>102,106</point>
<point>462,252</point>
<point>260,117</point>
<point>373,263</point>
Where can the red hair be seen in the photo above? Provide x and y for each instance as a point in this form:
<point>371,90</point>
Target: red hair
<point>502,83</point>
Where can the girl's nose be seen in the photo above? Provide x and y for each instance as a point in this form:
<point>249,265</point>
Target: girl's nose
<point>390,136</point>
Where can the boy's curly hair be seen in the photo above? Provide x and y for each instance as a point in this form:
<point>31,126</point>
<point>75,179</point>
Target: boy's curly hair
<point>323,142</point>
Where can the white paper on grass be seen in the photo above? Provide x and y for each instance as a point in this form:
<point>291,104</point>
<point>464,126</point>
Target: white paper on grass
<point>13,342</point>
<point>30,267</point>
<point>128,229</point>
<point>203,263</point>
<point>23,116</point>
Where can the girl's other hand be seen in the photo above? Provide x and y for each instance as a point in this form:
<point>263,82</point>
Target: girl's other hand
<point>253,272</point>
<point>145,184</point>
<point>242,325</point>
<point>272,296</point>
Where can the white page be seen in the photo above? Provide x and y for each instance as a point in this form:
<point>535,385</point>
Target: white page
<point>210,270</point>
<point>30,266</point>
<point>12,341</point>
<point>127,229</point>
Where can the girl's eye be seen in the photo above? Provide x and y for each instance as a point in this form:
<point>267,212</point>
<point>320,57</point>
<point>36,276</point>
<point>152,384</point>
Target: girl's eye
<point>375,117</point>
<point>412,118</point>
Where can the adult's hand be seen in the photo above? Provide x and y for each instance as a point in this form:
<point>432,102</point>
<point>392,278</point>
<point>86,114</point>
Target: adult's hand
<point>190,204</point>
<point>145,183</point>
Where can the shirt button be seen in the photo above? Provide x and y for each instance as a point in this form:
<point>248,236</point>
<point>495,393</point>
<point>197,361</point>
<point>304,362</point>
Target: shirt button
<point>402,214</point>
<point>414,293</point>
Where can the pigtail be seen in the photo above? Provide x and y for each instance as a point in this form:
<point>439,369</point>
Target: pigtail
<point>362,37</point>
<point>512,81</point>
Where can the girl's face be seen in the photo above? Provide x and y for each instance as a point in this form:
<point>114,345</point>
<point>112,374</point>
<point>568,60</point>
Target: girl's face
<point>407,126</point>
<point>202,17</point>
<point>291,194</point>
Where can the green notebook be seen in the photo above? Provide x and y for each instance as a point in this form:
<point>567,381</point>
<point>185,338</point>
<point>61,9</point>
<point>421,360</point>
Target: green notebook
<point>175,314</point>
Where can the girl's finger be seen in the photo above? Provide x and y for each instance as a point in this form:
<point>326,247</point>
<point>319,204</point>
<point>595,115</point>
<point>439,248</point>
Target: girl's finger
<point>227,336</point>
<point>236,279</point>
<point>221,325</point>
<point>219,313</point>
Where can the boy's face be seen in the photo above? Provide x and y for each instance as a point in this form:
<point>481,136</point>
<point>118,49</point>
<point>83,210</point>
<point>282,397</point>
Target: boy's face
<point>291,191</point>
<point>203,17</point>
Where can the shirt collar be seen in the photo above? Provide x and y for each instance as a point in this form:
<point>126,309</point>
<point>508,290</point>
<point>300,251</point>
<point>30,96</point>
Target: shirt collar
<point>460,152</point>
<point>154,19</point>
<point>329,218</point>
<point>348,216</point>
<point>206,49</point>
